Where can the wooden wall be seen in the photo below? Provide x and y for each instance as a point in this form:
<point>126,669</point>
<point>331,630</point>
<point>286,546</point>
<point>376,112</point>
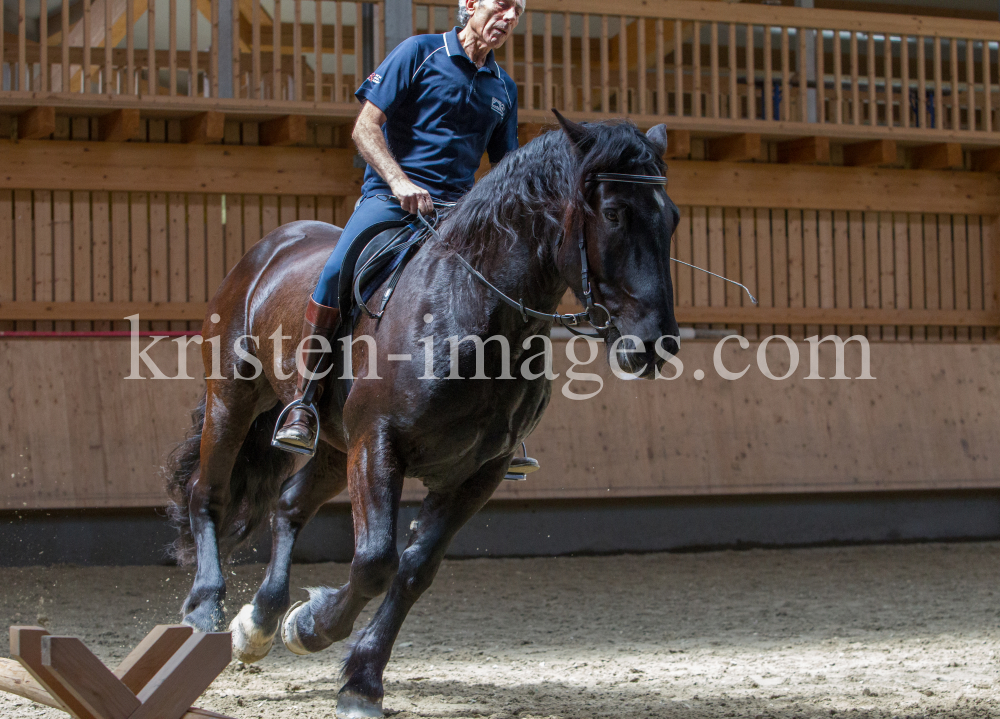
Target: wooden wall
<point>99,246</point>
<point>76,434</point>
<point>845,260</point>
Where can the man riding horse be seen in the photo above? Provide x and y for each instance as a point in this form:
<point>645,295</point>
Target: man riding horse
<point>428,113</point>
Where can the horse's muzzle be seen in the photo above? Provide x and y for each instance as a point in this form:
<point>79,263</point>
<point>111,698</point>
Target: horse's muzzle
<point>640,363</point>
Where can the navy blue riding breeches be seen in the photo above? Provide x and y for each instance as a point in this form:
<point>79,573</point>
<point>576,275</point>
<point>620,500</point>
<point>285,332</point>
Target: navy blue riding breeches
<point>371,209</point>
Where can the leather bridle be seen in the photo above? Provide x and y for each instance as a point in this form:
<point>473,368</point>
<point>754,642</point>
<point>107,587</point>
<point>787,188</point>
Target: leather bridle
<point>572,321</point>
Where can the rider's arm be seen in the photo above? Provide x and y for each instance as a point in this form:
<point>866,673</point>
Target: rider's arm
<point>371,144</point>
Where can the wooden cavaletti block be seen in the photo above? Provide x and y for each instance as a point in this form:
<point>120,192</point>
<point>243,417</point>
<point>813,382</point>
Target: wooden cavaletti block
<point>169,669</point>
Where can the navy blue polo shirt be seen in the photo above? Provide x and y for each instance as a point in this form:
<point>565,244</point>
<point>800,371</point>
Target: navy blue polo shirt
<point>442,113</point>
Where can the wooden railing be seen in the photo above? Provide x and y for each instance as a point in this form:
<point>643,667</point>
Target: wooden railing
<point>313,52</point>
<point>718,61</point>
<point>699,62</point>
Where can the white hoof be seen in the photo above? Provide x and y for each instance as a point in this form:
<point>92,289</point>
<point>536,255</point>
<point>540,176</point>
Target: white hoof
<point>290,634</point>
<point>355,706</point>
<point>249,643</point>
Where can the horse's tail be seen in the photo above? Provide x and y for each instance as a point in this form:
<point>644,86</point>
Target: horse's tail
<point>254,486</point>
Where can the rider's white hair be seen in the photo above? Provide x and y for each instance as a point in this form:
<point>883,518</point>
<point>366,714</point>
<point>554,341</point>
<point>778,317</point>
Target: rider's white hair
<point>463,14</point>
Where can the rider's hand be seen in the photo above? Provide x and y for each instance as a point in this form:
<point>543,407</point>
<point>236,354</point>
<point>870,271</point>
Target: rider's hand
<point>412,197</point>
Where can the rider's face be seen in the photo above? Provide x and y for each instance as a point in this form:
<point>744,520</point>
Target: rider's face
<point>495,20</point>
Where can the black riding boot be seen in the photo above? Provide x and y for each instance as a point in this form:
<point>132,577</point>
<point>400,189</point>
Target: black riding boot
<point>299,430</point>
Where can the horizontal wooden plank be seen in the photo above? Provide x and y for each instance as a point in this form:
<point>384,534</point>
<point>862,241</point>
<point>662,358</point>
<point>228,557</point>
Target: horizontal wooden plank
<point>55,165</point>
<point>775,131</point>
<point>831,316</point>
<point>686,315</point>
<point>102,310</point>
<point>721,184</point>
<point>777,16</point>
<point>160,167</point>
<point>177,107</point>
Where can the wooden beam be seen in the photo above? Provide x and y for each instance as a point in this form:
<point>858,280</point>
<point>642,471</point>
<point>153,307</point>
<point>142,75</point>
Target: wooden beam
<point>163,167</point>
<point>824,187</point>
<point>26,648</point>
<point>151,654</point>
<point>986,160</point>
<point>170,167</point>
<point>805,151</point>
<point>678,144</point>
<point>36,123</point>
<point>942,156</point>
<point>81,311</point>
<point>83,674</point>
<point>282,131</point>
<point>195,311</point>
<point>734,148</point>
<point>870,154</point>
<point>15,679</point>
<point>776,16</point>
<point>120,126</point>
<point>204,128</point>
<point>821,316</point>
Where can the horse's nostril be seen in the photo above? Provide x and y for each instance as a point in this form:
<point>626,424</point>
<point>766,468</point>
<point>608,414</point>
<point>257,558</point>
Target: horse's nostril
<point>671,345</point>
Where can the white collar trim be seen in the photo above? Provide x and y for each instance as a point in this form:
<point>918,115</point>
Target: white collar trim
<point>446,48</point>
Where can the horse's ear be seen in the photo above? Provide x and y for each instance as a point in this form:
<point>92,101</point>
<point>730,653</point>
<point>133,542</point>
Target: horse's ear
<point>576,133</point>
<point>658,136</point>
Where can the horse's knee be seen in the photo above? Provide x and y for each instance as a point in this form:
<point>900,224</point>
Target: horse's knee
<point>416,573</point>
<point>373,572</point>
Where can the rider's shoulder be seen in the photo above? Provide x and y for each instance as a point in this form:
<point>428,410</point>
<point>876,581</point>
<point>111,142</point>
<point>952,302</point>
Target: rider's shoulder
<point>420,46</point>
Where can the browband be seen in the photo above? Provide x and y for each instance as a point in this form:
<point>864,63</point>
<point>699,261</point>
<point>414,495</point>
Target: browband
<point>624,177</point>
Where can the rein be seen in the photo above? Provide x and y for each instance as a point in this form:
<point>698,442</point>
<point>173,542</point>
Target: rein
<point>571,321</point>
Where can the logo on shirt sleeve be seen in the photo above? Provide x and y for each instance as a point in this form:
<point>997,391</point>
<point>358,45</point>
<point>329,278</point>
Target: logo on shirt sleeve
<point>375,78</point>
<point>499,107</point>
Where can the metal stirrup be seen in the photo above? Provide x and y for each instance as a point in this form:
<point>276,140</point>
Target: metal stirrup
<point>275,442</point>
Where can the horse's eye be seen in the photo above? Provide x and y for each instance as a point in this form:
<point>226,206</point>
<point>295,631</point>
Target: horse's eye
<point>611,215</point>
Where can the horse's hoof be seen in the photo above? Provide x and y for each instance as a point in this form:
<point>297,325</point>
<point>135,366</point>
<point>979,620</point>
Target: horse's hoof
<point>205,619</point>
<point>290,630</point>
<point>351,705</point>
<point>250,644</point>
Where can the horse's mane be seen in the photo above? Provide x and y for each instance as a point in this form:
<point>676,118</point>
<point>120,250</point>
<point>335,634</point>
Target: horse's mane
<point>528,193</point>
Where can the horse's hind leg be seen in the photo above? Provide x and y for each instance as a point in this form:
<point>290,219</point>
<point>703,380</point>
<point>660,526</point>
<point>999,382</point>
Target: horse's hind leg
<point>229,412</point>
<point>441,516</point>
<point>375,480</point>
<point>323,478</point>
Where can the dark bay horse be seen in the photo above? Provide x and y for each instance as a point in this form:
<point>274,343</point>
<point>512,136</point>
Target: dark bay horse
<point>518,226</point>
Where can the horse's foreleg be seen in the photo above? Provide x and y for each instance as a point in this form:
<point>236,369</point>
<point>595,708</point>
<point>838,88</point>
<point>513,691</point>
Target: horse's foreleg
<point>306,491</point>
<point>441,516</point>
<point>222,437</point>
<point>375,481</point>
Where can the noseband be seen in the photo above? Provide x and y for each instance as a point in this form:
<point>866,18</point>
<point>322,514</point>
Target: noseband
<point>572,321</point>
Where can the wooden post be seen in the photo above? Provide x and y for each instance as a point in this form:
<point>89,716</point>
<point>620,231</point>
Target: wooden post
<point>678,144</point>
<point>204,127</point>
<point>870,154</point>
<point>942,156</point>
<point>806,151</point>
<point>287,130</point>
<point>734,148</point>
<point>120,125</point>
<point>36,123</point>
<point>986,160</point>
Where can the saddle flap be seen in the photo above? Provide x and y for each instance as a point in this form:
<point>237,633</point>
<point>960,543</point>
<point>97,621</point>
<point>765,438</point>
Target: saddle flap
<point>379,232</point>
